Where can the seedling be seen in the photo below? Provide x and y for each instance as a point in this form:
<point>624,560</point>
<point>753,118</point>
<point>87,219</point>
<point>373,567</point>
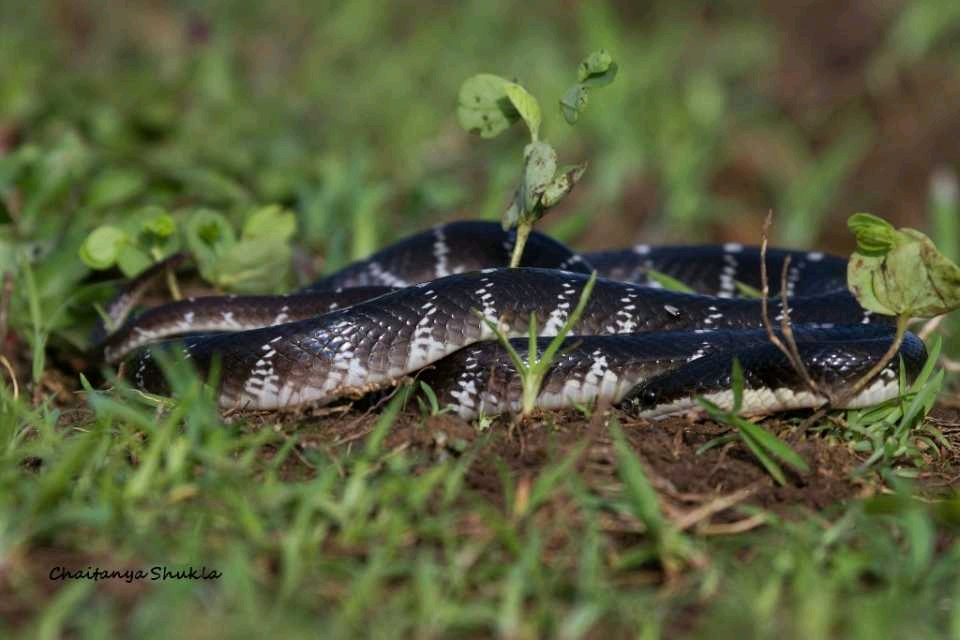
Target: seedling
<point>533,370</point>
<point>489,105</point>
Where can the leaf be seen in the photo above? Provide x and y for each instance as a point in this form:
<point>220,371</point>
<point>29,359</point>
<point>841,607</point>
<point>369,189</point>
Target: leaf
<point>100,249</point>
<point>208,235</point>
<point>271,222</point>
<point>253,265</point>
<point>209,228</point>
<point>561,185</point>
<point>668,282</point>
<point>160,224</point>
<point>597,69</point>
<point>484,107</point>
<point>574,102</point>
<point>874,234</point>
<point>527,106</point>
<point>158,233</point>
<point>132,260</point>
<point>761,455</point>
<point>638,490</point>
<point>774,445</point>
<point>539,168</point>
<point>900,272</point>
<point>512,215</point>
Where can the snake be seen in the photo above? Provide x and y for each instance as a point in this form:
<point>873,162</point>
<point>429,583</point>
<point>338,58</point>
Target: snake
<point>436,305</point>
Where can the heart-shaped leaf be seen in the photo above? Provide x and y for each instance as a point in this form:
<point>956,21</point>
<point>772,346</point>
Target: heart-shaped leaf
<point>900,271</point>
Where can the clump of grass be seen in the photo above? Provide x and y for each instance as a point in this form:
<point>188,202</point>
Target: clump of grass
<point>895,431</point>
<point>767,448</point>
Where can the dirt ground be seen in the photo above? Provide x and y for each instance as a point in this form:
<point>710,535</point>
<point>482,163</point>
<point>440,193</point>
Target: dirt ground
<point>684,476</point>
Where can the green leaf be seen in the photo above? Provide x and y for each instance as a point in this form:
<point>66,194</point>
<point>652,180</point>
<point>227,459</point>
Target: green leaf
<point>574,102</point>
<point>511,217</point>
<point>100,249</point>
<point>271,222</point>
<point>597,69</point>
<point>638,490</point>
<point>874,234</point>
<point>774,445</point>
<point>561,185</point>
<point>209,228</point>
<point>208,235</point>
<point>527,106</point>
<point>900,272</point>
<point>668,282</point>
<point>161,224</point>
<point>132,260</point>
<point>768,463</point>
<point>484,107</point>
<point>539,168</point>
<point>747,291</point>
<point>253,265</point>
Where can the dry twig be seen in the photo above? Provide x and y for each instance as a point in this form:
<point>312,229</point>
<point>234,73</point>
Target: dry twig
<point>789,348</point>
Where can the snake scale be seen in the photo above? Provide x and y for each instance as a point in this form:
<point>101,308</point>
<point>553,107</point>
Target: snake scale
<point>421,306</point>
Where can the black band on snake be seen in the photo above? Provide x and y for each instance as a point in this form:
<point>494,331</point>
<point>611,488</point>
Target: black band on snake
<point>418,308</point>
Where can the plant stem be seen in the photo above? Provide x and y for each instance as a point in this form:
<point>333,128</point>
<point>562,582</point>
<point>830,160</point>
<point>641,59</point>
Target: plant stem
<point>859,385</point>
<point>173,286</point>
<point>523,232</point>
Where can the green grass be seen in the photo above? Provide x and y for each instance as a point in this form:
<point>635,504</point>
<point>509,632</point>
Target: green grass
<point>376,539</point>
<point>405,523</point>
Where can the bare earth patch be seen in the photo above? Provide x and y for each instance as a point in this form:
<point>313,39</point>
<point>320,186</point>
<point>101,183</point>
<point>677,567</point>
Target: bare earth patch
<point>684,475</point>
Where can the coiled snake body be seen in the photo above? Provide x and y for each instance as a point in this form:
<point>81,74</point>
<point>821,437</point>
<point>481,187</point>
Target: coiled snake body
<point>422,307</point>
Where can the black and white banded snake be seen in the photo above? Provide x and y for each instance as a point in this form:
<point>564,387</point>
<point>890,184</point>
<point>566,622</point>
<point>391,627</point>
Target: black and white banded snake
<point>417,308</point>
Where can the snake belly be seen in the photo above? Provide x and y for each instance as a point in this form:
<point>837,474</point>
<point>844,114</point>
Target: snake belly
<point>645,348</point>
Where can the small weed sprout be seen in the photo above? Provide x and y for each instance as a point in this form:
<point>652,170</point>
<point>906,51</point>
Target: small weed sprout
<point>429,404</point>
<point>766,447</point>
<point>533,370</point>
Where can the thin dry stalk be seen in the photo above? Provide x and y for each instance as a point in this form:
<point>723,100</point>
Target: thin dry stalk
<point>789,349</point>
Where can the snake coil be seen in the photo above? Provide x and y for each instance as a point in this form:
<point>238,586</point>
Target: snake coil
<point>418,308</point>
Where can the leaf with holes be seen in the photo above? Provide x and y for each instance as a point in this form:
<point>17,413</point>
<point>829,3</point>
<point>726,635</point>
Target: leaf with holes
<point>561,185</point>
<point>900,272</point>
<point>539,168</point>
<point>484,108</point>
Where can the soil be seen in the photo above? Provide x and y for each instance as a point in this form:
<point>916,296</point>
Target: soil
<point>684,472</point>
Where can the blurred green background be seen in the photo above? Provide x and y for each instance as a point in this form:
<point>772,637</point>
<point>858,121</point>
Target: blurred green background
<point>345,113</point>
